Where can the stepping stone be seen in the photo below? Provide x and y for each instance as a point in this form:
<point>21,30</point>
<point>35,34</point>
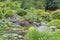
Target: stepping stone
<point>15,29</point>
<point>10,34</point>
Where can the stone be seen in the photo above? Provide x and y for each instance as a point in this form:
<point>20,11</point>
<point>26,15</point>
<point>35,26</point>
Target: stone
<point>42,28</point>
<point>15,37</point>
<point>52,28</point>
<point>5,35</point>
<point>20,36</point>
<point>10,35</point>
<point>15,25</point>
<point>16,29</point>
<point>44,24</point>
<point>36,24</point>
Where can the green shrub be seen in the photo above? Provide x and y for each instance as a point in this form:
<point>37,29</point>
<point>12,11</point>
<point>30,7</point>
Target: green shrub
<point>8,12</point>
<point>31,15</point>
<point>4,25</point>
<point>46,16</point>
<point>2,4</point>
<point>56,14</point>
<point>1,14</point>
<point>33,34</point>
<point>2,38</point>
<point>15,5</point>
<point>55,23</point>
<point>21,12</point>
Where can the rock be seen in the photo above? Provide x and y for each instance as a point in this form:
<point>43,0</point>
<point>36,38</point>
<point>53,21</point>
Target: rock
<point>5,35</point>
<point>15,37</point>
<point>36,24</point>
<point>10,35</point>
<point>52,28</point>
<point>16,29</point>
<point>24,23</point>
<point>15,25</point>
<point>42,28</point>
<point>20,36</point>
<point>44,24</point>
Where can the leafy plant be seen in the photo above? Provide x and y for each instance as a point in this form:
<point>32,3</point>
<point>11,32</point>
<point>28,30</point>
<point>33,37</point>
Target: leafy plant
<point>56,14</point>
<point>21,12</point>
<point>33,34</point>
<point>31,15</point>
<point>2,4</point>
<point>46,16</point>
<point>8,12</point>
<point>55,23</point>
<point>15,5</point>
<point>4,25</point>
<point>1,14</point>
<point>2,38</point>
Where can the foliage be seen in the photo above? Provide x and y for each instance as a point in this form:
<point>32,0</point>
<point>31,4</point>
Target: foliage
<point>15,5</point>
<point>36,35</point>
<point>8,12</point>
<point>3,25</point>
<point>2,38</point>
<point>31,15</point>
<point>55,23</point>
<point>37,15</point>
<point>1,14</point>
<point>44,15</point>
<point>26,4</point>
<point>21,12</point>
<point>56,14</point>
<point>41,4</point>
<point>33,3</point>
<point>2,4</point>
<point>52,4</point>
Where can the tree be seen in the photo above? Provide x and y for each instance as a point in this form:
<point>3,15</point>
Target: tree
<point>52,4</point>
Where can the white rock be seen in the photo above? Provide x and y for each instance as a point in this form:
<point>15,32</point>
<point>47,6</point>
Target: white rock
<point>20,36</point>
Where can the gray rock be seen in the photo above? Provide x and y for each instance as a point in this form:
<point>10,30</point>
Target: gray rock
<point>42,28</point>
<point>10,35</point>
<point>52,28</point>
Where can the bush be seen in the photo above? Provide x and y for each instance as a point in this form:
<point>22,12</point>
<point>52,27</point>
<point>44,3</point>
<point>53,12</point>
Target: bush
<point>2,38</point>
<point>3,26</point>
<point>55,23</point>
<point>15,5</point>
<point>21,12</point>
<point>1,14</point>
<point>33,34</point>
<point>56,14</point>
<point>2,4</point>
<point>44,15</point>
<point>8,12</point>
<point>31,15</point>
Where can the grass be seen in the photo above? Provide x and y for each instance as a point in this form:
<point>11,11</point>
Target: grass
<point>2,38</point>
